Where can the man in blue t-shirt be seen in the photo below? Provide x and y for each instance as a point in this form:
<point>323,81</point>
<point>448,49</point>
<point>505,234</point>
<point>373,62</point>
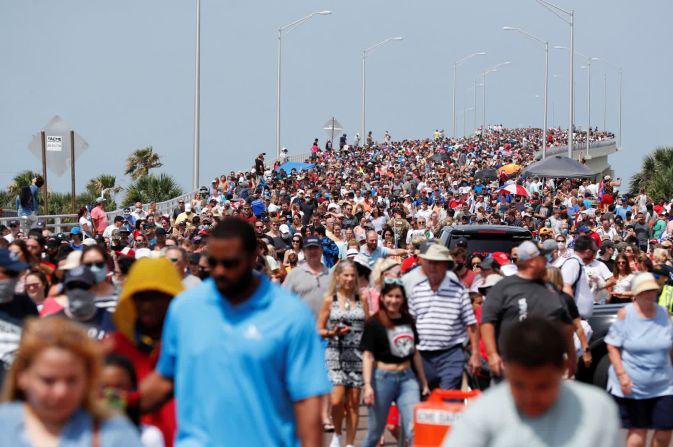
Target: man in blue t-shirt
<point>241,354</point>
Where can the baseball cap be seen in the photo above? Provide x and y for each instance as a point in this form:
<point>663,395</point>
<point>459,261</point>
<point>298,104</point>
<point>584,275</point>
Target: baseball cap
<point>75,230</point>
<point>100,199</point>
<point>583,229</point>
<point>545,230</point>
<point>127,211</point>
<point>80,275</point>
<point>549,245</point>
<point>436,252</point>
<point>529,250</point>
<point>312,241</point>
<point>11,262</point>
<point>500,257</point>
<point>125,229</point>
<point>13,223</point>
<point>53,242</point>
<point>643,282</point>
<point>284,229</point>
<point>188,207</point>
<point>352,252</point>
<point>666,244</point>
<point>160,232</point>
<point>89,242</point>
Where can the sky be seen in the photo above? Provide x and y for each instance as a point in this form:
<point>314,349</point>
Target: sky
<point>122,75</point>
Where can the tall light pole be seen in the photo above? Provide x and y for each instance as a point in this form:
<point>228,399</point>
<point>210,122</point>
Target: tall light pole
<point>197,99</point>
<point>487,71</point>
<point>569,18</point>
<point>455,66</point>
<point>605,101</point>
<point>365,52</point>
<point>619,82</point>
<point>545,44</point>
<point>289,27</point>
<point>465,110</point>
<point>588,67</point>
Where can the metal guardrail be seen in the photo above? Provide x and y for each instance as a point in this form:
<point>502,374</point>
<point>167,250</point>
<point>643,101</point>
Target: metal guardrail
<point>580,147</point>
<point>61,222</point>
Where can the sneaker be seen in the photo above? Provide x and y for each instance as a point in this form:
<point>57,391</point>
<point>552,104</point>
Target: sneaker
<point>336,441</point>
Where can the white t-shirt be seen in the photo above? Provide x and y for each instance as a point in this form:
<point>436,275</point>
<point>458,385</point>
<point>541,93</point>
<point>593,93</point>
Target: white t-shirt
<point>597,275</point>
<point>584,297</point>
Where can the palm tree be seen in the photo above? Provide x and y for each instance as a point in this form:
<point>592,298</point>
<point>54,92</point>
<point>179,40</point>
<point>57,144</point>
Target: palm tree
<point>152,188</point>
<point>23,178</point>
<point>655,175</point>
<point>139,163</point>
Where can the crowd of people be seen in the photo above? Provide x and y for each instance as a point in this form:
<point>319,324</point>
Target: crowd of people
<point>285,298</point>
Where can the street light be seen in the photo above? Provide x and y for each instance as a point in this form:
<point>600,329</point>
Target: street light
<point>619,74</point>
<point>569,19</point>
<point>546,81</point>
<point>289,27</point>
<point>455,66</point>
<point>588,67</point>
<point>487,71</point>
<point>364,85</point>
<point>197,99</point>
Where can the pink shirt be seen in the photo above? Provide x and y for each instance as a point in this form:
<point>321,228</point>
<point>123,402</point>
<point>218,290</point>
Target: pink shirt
<point>99,219</point>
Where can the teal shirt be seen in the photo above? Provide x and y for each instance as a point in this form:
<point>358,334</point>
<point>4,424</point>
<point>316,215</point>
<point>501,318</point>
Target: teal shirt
<point>115,431</point>
<point>582,416</point>
<point>239,370</point>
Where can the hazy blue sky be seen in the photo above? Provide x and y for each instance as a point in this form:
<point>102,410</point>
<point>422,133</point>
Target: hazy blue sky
<point>122,74</point>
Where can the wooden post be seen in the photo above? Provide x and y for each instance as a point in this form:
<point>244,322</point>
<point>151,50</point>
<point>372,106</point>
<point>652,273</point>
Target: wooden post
<point>44,171</point>
<point>73,202</point>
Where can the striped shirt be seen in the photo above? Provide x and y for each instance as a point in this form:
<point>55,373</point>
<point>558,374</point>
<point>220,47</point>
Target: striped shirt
<point>441,316</point>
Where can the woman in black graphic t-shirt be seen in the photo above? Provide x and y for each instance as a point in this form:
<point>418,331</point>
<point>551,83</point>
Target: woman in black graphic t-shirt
<point>389,347</point>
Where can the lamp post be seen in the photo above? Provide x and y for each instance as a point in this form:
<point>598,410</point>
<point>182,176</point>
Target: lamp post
<point>455,66</point>
<point>365,52</point>
<point>289,27</point>
<point>588,67</point>
<point>569,18</point>
<point>619,81</point>
<point>487,71</point>
<point>197,100</point>
<point>465,118</point>
<point>545,44</point>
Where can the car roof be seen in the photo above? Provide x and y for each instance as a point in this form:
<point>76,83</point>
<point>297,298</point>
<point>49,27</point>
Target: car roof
<point>470,229</point>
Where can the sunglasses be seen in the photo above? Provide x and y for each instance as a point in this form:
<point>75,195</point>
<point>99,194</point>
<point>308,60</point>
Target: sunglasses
<point>391,281</point>
<point>227,263</point>
<point>140,240</point>
<point>99,265</point>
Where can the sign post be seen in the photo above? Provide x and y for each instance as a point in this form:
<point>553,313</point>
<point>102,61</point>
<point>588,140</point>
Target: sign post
<point>43,138</point>
<point>73,202</point>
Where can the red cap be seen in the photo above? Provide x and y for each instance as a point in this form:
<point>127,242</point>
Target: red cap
<point>500,257</point>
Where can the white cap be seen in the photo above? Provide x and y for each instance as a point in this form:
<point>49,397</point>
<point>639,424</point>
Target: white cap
<point>143,253</point>
<point>284,229</point>
<point>188,207</point>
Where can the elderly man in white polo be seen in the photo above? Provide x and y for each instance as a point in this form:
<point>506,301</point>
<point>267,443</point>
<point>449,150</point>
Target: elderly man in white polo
<point>444,319</point>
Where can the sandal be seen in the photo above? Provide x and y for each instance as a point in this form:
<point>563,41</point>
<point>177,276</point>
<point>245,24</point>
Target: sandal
<point>327,427</point>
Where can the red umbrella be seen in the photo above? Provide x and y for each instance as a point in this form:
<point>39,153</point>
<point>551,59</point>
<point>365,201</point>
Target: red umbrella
<point>515,189</point>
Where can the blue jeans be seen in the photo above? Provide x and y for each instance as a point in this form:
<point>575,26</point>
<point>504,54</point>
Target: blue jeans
<point>400,387</point>
<point>444,369</point>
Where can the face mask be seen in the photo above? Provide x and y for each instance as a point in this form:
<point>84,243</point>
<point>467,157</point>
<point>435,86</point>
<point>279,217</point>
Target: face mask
<point>81,303</point>
<point>99,273</point>
<point>561,245</point>
<point>547,224</point>
<point>203,274</point>
<point>7,287</point>
<point>564,231</point>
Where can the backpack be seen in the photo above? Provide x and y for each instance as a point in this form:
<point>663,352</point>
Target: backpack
<point>26,198</point>
<point>574,286</point>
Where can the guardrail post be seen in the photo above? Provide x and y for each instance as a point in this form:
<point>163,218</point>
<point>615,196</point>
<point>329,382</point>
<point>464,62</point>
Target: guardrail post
<point>57,222</point>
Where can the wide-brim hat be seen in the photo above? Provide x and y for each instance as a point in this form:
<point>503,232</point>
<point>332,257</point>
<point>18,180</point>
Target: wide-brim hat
<point>643,282</point>
<point>437,252</point>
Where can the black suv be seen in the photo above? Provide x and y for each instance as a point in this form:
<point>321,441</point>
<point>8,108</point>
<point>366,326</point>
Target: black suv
<point>482,240</point>
<point>601,320</point>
